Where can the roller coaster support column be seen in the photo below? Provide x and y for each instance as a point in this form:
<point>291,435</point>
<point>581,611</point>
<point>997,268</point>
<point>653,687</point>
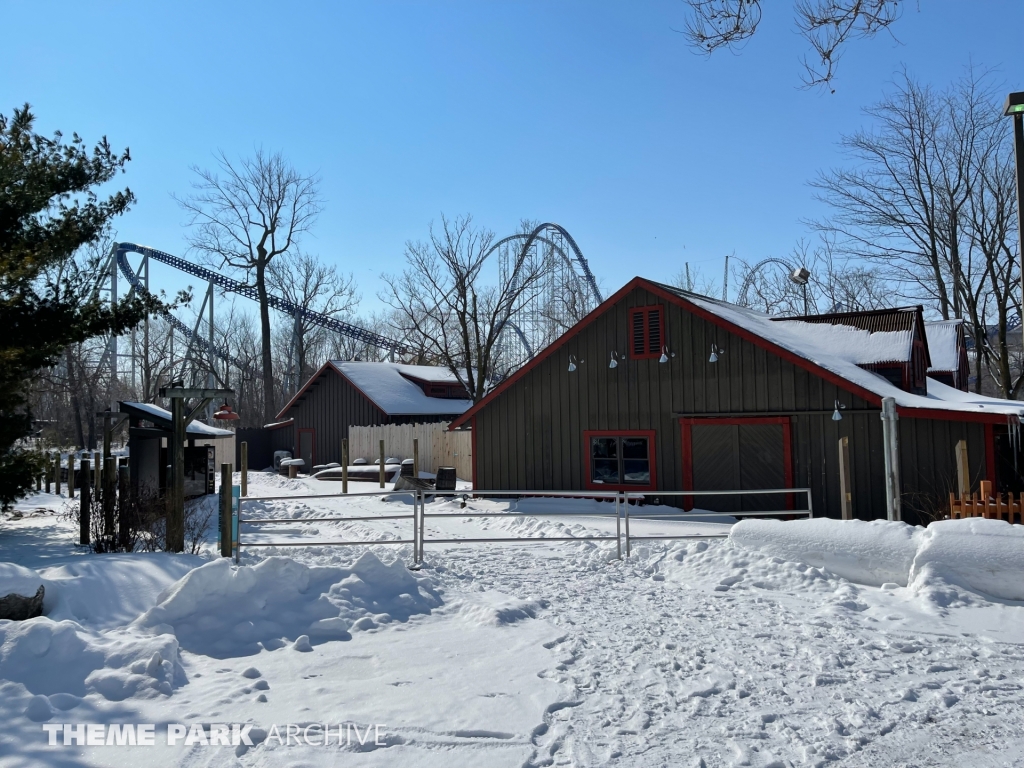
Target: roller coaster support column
<point>175,526</point>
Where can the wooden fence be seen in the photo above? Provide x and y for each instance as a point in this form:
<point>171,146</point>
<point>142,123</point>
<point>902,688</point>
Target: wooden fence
<point>988,505</point>
<point>438,446</point>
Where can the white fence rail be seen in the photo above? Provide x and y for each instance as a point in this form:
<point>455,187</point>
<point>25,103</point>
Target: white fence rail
<point>438,446</point>
<point>621,513</point>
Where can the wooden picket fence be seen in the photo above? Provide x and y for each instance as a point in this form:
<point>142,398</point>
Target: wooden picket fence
<point>988,505</point>
<point>438,447</point>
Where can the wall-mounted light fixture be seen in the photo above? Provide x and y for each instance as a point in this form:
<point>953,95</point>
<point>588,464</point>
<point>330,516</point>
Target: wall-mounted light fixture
<point>836,415</point>
<point>715,352</point>
<point>665,354</point>
<point>572,363</point>
<point>613,363</point>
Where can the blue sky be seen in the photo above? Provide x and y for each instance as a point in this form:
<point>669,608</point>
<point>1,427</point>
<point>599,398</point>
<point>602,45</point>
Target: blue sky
<point>594,115</point>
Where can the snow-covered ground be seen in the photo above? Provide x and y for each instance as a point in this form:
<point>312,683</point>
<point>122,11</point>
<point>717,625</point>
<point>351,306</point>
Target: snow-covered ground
<point>742,651</point>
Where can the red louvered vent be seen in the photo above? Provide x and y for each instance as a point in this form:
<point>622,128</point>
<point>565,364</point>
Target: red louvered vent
<point>648,329</point>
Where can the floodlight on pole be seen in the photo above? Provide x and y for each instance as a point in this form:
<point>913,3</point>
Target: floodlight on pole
<point>801,276</point>
<point>1014,108</point>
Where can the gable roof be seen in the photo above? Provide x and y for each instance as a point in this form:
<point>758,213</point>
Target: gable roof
<point>799,343</point>
<point>388,387</point>
<point>161,417</point>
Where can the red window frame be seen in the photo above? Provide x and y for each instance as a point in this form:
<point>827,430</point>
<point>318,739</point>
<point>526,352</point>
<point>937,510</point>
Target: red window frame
<point>645,313</point>
<point>687,424</point>
<point>651,457</point>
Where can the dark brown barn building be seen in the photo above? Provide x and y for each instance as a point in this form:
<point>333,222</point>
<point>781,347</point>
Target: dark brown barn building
<point>660,389</point>
<point>345,394</point>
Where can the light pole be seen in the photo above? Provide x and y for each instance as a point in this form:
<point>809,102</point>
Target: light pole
<point>801,276</point>
<point>1014,108</point>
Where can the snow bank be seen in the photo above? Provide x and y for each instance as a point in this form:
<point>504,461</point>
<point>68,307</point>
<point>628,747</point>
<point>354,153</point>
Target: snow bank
<point>872,553</point>
<point>225,611</point>
<point>62,659</point>
<point>18,580</point>
<point>986,556</point>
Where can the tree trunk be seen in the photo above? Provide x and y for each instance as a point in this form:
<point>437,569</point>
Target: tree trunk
<point>76,405</point>
<point>268,364</point>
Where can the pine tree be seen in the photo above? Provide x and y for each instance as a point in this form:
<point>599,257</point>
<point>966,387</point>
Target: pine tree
<point>49,210</point>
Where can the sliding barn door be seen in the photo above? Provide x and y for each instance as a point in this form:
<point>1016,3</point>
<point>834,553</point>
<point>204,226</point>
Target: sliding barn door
<point>735,456</point>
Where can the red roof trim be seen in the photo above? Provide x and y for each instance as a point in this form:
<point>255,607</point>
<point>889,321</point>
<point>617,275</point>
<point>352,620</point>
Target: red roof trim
<point>743,333</point>
<point>944,415</point>
<point>595,313</point>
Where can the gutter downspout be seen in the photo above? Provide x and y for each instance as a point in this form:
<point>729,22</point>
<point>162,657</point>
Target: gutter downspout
<point>891,453</point>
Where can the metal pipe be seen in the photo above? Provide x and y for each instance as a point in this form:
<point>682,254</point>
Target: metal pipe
<point>1018,151</point>
<point>628,549</point>
<point>618,527</point>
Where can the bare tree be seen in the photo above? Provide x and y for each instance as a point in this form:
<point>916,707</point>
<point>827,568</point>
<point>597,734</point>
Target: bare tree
<point>930,200</point>
<point>441,300</point>
<point>247,215</point>
<point>303,280</point>
<point>826,25</point>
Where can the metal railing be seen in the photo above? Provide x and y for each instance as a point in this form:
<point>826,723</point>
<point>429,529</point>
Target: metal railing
<point>417,498</point>
<point>616,495</point>
<point>621,513</point>
<point>681,517</point>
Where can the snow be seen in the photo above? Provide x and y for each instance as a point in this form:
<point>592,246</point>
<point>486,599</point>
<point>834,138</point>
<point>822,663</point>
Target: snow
<point>822,345</point>
<point>163,416</point>
<point>17,580</point>
<point>857,345</point>
<point>943,344</point>
<point>985,556</point>
<point>394,394</point>
<point>786,644</point>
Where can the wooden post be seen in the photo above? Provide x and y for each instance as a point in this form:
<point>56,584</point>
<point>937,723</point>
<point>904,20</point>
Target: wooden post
<point>39,482</point>
<point>55,468</point>
<point>47,473</point>
<point>244,469</point>
<point>344,465</point>
<point>175,526</point>
<point>84,533</point>
<point>109,478</point>
<point>71,475</point>
<point>381,463</point>
<point>845,487</point>
<point>416,457</point>
<point>123,509</point>
<point>225,509</point>
<point>963,474</point>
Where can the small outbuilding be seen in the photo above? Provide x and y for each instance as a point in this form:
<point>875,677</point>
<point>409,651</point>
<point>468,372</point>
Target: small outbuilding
<point>149,434</point>
<point>343,393</point>
<point>659,389</point>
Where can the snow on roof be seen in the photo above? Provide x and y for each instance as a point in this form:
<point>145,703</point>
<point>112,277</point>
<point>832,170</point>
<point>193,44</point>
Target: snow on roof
<point>857,345</point>
<point>162,417</point>
<point>394,394</point>
<point>944,344</point>
<point>815,343</point>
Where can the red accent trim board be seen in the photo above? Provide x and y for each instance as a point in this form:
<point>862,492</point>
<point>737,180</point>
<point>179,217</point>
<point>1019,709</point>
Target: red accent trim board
<point>472,440</point>
<point>651,457</point>
<point>686,425</point>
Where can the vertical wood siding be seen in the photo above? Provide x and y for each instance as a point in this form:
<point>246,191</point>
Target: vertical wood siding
<point>331,405</point>
<point>530,436</point>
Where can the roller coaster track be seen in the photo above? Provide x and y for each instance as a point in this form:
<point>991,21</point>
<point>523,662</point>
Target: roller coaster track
<point>578,257</point>
<point>248,291</point>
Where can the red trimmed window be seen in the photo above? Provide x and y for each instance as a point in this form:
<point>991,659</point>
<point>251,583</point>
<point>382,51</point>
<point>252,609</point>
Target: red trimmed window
<point>646,331</point>
<point>620,460</point>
